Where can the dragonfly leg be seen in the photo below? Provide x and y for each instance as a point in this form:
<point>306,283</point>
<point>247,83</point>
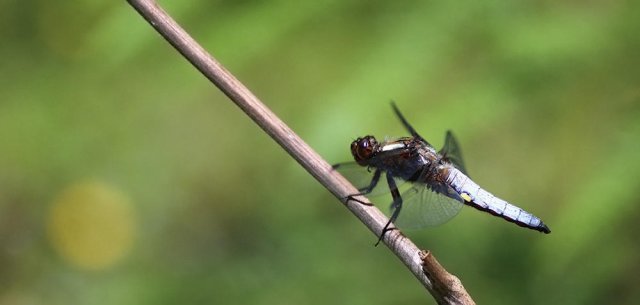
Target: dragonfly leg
<point>366,190</point>
<point>396,205</point>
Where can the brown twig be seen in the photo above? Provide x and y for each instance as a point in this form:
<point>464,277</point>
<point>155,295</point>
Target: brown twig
<point>446,284</point>
<point>406,251</point>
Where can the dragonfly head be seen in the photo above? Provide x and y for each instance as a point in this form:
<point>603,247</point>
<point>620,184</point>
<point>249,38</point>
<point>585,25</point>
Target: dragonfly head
<point>363,149</point>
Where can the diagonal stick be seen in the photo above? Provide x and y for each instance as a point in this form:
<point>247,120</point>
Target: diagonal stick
<point>444,287</point>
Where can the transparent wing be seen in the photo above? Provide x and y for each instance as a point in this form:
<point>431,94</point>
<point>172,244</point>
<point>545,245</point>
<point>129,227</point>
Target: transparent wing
<point>361,177</point>
<point>423,207</point>
<point>451,152</point>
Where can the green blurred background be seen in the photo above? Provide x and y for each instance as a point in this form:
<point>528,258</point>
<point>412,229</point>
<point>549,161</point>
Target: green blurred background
<point>127,178</point>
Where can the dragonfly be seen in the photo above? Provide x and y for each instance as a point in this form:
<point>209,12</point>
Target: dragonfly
<point>438,184</point>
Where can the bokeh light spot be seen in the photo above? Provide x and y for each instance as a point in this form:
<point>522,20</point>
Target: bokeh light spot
<point>91,225</point>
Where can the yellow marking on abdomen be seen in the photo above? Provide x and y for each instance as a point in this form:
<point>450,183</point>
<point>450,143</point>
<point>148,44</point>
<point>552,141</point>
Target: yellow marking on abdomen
<point>466,197</point>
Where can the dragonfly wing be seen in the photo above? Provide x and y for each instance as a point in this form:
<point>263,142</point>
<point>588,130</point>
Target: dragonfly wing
<point>358,175</point>
<point>361,177</point>
<point>451,152</point>
<point>406,124</point>
<point>423,207</point>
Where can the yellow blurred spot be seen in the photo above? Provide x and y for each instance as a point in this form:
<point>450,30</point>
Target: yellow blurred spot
<point>466,197</point>
<point>91,225</point>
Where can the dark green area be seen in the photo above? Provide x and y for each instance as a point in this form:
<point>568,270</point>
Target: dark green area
<point>544,97</point>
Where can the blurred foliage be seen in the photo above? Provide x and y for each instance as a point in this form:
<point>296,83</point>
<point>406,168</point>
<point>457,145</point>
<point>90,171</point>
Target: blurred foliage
<point>126,178</point>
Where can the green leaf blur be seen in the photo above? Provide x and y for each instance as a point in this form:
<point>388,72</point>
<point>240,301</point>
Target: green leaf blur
<point>100,116</point>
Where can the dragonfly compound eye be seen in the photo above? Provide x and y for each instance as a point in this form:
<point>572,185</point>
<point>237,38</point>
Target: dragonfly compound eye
<point>362,149</point>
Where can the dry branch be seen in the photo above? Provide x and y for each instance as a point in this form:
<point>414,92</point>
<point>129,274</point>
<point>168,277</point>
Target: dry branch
<point>445,288</point>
